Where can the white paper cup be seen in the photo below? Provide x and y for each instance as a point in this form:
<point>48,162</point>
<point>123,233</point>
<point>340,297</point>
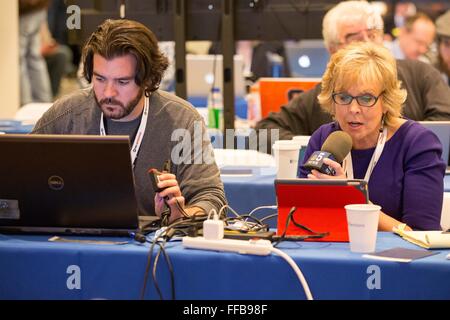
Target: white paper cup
<point>286,158</point>
<point>362,222</point>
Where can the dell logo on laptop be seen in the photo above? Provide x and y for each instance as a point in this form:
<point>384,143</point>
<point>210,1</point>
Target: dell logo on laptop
<point>56,183</point>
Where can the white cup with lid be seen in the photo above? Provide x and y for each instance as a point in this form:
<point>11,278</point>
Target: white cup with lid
<point>286,158</point>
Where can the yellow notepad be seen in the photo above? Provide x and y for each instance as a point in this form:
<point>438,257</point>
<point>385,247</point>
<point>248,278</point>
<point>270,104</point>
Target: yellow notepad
<point>424,239</point>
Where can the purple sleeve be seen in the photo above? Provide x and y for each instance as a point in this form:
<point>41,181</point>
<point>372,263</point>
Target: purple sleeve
<point>423,182</point>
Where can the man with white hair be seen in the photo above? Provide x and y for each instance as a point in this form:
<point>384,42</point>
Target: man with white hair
<point>350,21</point>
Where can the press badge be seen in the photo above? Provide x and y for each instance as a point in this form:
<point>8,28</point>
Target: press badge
<point>9,209</point>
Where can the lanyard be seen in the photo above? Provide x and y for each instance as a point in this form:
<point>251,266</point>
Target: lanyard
<point>140,134</point>
<point>348,164</point>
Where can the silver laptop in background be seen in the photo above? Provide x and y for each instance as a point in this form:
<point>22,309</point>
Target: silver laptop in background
<point>306,58</point>
<point>203,70</point>
<point>442,130</point>
<point>67,184</point>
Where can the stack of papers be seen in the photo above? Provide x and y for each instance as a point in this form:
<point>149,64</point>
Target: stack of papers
<point>425,239</point>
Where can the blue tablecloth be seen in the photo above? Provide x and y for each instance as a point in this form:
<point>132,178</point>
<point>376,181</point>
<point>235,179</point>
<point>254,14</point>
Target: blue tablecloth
<point>33,268</point>
<point>14,126</point>
<point>245,193</point>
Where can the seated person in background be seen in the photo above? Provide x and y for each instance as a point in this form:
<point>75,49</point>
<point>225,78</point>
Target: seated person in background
<point>400,159</point>
<point>123,62</point>
<point>428,96</point>
<point>442,62</point>
<point>414,39</point>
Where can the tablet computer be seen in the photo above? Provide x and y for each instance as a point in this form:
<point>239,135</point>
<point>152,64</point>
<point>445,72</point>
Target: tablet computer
<point>312,207</point>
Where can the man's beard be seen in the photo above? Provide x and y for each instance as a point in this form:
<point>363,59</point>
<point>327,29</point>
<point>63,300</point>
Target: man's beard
<point>124,110</point>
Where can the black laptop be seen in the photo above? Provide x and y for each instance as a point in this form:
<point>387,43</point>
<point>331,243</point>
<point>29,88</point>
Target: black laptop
<point>67,184</point>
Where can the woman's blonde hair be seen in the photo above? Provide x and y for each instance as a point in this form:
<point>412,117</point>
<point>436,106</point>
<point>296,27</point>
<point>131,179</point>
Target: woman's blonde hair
<point>363,63</point>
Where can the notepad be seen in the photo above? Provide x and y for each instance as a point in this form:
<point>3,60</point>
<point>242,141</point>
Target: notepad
<point>400,254</point>
<point>425,239</point>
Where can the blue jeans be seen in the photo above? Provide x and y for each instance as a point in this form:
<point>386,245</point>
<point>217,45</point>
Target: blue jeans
<point>34,78</point>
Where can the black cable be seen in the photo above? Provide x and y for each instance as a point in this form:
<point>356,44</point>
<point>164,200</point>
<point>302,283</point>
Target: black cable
<point>247,216</point>
<point>169,265</point>
<point>158,290</point>
<point>166,235</point>
<point>195,220</point>
<point>172,275</point>
<point>316,235</point>
<point>147,269</point>
<point>288,219</point>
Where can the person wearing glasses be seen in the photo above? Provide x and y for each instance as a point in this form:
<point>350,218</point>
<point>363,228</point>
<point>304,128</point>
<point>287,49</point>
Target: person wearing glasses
<point>442,62</point>
<point>349,21</point>
<point>399,158</point>
<point>414,39</point>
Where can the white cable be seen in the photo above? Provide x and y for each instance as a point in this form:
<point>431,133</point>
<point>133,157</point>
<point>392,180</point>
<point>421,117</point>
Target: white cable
<point>297,271</point>
<point>231,209</point>
<point>262,207</point>
<point>214,212</point>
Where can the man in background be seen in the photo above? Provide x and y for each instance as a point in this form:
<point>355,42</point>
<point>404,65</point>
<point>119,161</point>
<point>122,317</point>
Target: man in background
<point>414,39</point>
<point>442,62</point>
<point>428,96</point>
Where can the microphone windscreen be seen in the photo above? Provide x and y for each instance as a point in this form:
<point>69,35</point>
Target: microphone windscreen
<point>339,144</point>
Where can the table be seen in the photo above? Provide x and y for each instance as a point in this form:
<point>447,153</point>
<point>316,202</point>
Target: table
<point>240,105</point>
<point>246,192</point>
<point>33,268</point>
<point>14,126</point>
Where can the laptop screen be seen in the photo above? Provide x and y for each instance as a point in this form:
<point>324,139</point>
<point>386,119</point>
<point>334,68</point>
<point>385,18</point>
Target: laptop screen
<point>306,58</point>
<point>66,183</point>
<point>442,130</point>
<point>204,70</point>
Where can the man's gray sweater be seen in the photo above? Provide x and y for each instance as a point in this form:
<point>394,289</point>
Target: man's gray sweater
<point>199,179</point>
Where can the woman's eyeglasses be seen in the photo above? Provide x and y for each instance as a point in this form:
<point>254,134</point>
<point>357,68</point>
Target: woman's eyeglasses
<point>365,100</point>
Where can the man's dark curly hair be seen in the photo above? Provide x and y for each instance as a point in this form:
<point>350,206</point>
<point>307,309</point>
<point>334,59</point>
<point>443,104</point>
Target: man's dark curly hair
<point>116,38</point>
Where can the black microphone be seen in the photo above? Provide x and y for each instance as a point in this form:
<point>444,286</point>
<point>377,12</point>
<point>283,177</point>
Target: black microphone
<point>336,147</point>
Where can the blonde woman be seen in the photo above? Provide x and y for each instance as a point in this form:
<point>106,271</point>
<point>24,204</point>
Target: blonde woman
<point>400,159</point>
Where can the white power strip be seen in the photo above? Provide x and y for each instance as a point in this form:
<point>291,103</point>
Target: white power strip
<point>258,247</point>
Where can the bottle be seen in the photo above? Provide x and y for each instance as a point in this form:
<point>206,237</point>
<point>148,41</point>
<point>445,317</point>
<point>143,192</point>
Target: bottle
<point>253,105</point>
<point>276,64</point>
<point>215,109</point>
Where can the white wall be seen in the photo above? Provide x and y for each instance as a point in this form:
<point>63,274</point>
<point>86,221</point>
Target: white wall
<point>9,58</point>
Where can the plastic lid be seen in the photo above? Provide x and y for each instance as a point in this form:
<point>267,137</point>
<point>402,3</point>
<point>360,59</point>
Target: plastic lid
<point>286,145</point>
<point>302,139</point>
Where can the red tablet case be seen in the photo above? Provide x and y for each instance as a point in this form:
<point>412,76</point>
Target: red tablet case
<point>320,206</point>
